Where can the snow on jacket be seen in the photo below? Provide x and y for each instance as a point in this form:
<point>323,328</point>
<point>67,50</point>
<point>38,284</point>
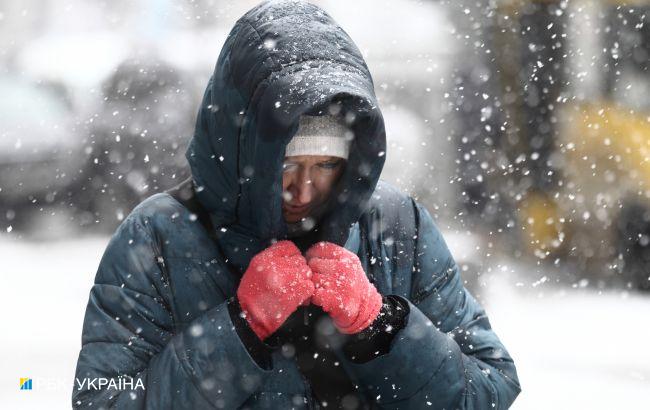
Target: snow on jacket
<point>158,313</point>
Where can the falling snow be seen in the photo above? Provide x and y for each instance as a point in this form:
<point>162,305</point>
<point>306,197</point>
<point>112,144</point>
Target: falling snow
<point>523,130</point>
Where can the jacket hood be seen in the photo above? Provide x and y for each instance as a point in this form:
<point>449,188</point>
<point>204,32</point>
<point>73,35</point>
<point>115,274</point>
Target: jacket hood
<point>281,60</point>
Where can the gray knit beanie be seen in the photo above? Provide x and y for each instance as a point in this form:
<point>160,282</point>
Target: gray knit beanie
<point>320,135</point>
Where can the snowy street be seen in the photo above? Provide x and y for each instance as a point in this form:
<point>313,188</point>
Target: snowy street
<point>574,348</point>
<point>521,129</point>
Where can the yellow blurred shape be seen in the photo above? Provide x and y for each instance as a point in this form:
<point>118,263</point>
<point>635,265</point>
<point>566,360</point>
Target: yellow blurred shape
<point>539,216</point>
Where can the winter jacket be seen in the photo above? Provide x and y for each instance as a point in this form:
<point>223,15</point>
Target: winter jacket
<point>158,312</point>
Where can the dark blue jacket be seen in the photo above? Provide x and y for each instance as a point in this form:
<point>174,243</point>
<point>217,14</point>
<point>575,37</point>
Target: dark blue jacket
<point>158,309</point>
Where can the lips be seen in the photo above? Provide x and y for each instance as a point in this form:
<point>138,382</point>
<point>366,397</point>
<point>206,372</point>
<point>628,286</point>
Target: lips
<point>296,209</point>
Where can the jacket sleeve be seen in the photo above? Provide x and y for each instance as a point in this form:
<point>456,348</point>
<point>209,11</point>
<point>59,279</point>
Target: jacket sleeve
<point>376,339</point>
<point>447,355</point>
<point>129,338</point>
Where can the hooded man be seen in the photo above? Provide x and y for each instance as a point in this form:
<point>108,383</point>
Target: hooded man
<point>285,274</point>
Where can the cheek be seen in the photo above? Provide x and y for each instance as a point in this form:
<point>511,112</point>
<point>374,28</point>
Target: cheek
<point>324,182</point>
<point>287,178</point>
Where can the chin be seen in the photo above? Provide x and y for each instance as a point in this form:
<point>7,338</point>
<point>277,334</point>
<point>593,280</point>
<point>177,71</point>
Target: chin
<point>292,220</point>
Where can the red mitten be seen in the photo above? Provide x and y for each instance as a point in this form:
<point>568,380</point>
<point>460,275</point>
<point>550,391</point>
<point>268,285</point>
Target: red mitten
<point>342,287</point>
<point>276,282</point>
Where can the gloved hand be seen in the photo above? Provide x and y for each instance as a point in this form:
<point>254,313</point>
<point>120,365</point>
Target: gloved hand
<point>276,282</point>
<point>342,287</point>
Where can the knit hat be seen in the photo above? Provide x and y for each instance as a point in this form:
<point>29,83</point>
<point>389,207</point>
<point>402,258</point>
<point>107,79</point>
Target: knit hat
<point>320,135</point>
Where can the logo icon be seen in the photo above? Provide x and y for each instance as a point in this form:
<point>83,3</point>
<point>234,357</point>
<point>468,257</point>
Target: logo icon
<point>25,383</point>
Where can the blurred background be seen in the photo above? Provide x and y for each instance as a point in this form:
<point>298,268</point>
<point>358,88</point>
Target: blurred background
<point>523,126</point>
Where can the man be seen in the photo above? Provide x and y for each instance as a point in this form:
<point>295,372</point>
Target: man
<point>281,278</point>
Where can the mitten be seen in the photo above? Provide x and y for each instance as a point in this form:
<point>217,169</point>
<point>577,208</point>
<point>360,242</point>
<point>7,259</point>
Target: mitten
<point>275,283</point>
<point>342,288</point>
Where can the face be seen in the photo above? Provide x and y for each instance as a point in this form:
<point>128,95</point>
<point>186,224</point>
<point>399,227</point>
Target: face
<point>307,181</point>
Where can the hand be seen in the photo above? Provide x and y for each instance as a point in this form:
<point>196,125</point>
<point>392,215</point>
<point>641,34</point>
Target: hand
<point>342,287</point>
<point>276,282</point>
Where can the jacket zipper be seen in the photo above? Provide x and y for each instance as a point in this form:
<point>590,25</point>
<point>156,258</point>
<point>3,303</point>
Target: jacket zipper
<point>309,394</point>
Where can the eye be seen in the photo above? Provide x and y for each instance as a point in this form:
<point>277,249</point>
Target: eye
<point>289,166</point>
<point>329,164</point>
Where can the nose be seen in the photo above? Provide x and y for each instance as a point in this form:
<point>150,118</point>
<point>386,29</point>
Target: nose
<point>304,188</point>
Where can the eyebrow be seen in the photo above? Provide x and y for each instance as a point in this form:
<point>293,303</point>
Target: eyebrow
<point>330,161</point>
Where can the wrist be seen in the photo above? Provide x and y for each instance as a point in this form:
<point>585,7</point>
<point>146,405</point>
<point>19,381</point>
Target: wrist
<point>257,349</point>
<point>368,312</point>
<point>376,339</point>
<point>249,318</point>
